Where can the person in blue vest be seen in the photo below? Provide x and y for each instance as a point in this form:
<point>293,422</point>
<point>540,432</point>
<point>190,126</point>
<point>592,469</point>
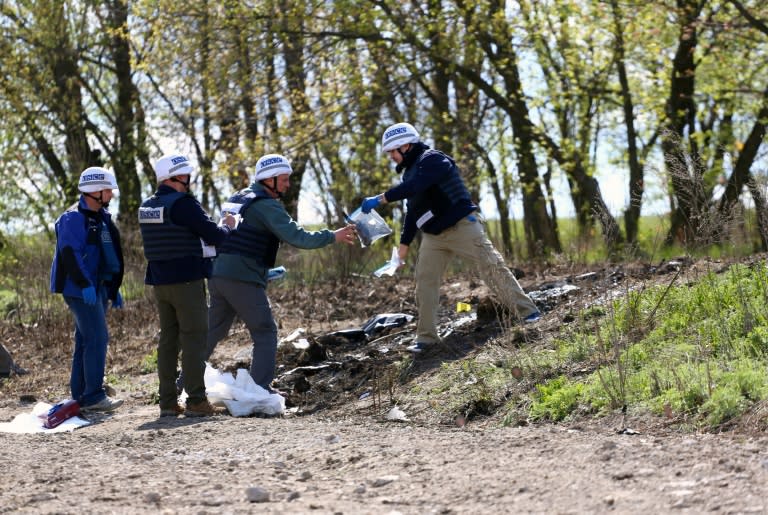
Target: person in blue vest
<point>179,243</point>
<point>239,282</point>
<point>87,270</point>
<point>440,206</point>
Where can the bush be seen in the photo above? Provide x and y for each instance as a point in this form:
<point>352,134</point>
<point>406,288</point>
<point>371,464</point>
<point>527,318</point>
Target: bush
<point>726,403</point>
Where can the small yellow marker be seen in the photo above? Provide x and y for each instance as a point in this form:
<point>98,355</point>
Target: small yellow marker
<point>461,307</point>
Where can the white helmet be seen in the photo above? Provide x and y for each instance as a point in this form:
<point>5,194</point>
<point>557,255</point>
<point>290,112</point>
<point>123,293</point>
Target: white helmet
<point>271,165</point>
<point>95,179</point>
<point>172,165</point>
<point>398,135</point>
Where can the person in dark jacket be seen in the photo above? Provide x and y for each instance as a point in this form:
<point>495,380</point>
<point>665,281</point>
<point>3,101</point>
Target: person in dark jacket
<point>88,270</point>
<point>439,204</point>
<point>239,282</point>
<point>179,243</point>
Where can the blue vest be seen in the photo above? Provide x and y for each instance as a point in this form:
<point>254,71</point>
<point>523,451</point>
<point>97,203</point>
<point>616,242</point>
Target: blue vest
<point>164,240</point>
<point>442,204</point>
<point>246,240</point>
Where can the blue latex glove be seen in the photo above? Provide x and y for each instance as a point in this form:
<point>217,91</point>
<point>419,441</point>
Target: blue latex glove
<point>89,295</point>
<point>118,302</point>
<point>369,203</point>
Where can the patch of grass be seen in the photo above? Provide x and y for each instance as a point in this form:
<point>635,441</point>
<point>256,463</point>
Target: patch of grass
<point>579,348</point>
<point>470,387</point>
<point>149,363</point>
<point>556,399</point>
<point>700,351</point>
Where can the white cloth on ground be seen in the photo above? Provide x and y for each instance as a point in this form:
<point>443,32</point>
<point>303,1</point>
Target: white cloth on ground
<point>33,422</point>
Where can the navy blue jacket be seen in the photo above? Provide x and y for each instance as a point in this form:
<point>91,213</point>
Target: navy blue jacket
<point>436,195</point>
<point>188,215</point>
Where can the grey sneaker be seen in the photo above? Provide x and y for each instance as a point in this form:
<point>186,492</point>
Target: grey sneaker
<point>16,369</point>
<point>106,404</point>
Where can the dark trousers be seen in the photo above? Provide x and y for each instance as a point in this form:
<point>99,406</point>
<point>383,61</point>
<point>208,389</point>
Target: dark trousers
<point>249,302</point>
<point>183,329</point>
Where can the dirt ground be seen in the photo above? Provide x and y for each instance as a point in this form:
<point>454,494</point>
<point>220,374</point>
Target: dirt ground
<point>335,451</point>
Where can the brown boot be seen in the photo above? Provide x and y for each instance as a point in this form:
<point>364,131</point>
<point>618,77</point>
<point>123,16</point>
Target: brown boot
<point>202,409</point>
<point>171,411</point>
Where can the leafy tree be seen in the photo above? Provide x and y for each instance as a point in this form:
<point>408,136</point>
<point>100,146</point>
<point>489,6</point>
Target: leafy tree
<point>575,61</point>
<point>72,98</point>
<point>521,93</point>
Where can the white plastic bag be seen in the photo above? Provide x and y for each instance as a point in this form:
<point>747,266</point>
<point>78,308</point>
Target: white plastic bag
<point>241,395</point>
<point>391,266</point>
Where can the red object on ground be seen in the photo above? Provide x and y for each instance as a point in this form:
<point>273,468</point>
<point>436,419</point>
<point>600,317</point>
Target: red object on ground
<point>60,412</point>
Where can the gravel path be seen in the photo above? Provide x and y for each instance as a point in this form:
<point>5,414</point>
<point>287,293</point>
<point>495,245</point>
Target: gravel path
<point>134,462</point>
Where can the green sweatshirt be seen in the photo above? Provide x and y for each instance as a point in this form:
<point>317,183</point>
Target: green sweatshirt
<point>268,215</point>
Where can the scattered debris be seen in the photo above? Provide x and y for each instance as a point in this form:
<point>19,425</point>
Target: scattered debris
<point>396,414</point>
<point>384,481</point>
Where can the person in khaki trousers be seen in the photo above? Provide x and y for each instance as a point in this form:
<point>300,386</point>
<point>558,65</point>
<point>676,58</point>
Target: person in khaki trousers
<point>439,204</point>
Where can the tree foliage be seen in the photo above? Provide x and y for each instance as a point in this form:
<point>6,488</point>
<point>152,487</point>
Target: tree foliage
<point>527,96</point>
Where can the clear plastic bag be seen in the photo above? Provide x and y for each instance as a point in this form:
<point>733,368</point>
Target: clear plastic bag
<point>370,226</point>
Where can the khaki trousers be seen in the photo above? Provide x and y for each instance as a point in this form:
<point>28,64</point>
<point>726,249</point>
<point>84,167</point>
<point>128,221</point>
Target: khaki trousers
<point>468,241</point>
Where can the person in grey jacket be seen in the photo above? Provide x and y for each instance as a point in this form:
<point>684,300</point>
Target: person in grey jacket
<point>239,280</point>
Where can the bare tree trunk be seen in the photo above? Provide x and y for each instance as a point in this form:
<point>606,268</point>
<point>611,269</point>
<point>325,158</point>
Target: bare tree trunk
<point>124,156</point>
<point>636,175</point>
<point>501,204</point>
<point>589,196</point>
<point>210,197</point>
<point>761,210</point>
<point>292,29</point>
<point>684,169</point>
<point>62,61</point>
<point>742,171</point>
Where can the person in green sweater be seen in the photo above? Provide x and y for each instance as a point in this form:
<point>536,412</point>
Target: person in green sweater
<point>239,280</point>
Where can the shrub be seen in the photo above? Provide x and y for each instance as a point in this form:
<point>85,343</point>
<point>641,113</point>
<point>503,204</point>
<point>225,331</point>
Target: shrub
<point>726,403</point>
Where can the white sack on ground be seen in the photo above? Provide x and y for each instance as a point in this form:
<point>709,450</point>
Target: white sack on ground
<point>32,423</point>
<point>241,395</point>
